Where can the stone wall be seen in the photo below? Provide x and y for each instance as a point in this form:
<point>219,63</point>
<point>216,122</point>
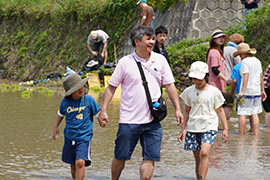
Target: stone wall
<point>209,15</point>
<point>196,18</point>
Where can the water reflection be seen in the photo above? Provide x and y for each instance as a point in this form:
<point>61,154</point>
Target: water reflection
<point>28,152</point>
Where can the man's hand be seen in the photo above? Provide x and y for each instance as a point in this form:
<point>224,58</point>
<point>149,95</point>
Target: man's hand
<point>179,117</point>
<point>95,53</point>
<point>102,54</point>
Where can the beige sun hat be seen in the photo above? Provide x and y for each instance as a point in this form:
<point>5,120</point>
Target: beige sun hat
<point>93,35</point>
<point>73,82</point>
<point>219,33</point>
<point>198,70</point>
<point>243,48</point>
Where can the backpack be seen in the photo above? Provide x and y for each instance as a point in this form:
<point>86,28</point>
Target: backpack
<point>93,63</point>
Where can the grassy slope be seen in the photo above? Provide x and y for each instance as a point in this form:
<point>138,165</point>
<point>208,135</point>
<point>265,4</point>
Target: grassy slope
<point>36,41</point>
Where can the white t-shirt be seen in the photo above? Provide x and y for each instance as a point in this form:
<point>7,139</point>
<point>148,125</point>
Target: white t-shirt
<point>253,66</point>
<point>134,108</point>
<point>102,37</point>
<point>202,115</point>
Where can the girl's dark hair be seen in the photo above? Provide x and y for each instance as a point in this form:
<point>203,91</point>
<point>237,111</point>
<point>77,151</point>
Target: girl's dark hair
<point>206,77</point>
<point>213,45</point>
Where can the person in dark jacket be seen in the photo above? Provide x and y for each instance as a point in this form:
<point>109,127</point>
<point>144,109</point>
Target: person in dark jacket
<point>250,5</point>
<point>161,36</point>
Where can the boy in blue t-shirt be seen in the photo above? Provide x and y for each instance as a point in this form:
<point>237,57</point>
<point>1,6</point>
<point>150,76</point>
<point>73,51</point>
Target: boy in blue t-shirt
<point>78,109</point>
<point>236,83</point>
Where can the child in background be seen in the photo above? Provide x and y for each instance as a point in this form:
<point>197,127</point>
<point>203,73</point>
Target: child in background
<point>79,110</point>
<point>203,109</point>
<point>252,88</point>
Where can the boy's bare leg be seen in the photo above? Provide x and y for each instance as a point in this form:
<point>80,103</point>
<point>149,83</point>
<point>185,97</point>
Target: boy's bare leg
<point>80,169</point>
<point>267,119</point>
<point>228,112</point>
<point>255,124</point>
<point>242,124</point>
<point>117,167</point>
<point>251,124</point>
<point>146,169</point>
<point>73,170</point>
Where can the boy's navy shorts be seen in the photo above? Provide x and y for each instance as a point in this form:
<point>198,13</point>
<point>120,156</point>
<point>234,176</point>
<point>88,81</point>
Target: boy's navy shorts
<point>73,151</point>
<point>128,135</point>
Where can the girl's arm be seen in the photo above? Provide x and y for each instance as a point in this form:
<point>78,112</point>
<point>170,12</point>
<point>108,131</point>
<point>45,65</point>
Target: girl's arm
<point>181,136</point>
<point>223,120</point>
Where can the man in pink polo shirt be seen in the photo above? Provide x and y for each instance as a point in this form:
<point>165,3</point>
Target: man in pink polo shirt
<point>136,122</point>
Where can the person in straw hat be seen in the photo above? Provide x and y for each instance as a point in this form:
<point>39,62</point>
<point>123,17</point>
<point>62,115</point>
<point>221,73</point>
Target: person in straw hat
<point>100,38</point>
<point>216,63</point>
<point>78,109</point>
<point>203,109</point>
<point>251,88</point>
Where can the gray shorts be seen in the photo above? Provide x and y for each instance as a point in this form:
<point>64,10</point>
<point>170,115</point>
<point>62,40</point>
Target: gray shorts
<point>251,105</point>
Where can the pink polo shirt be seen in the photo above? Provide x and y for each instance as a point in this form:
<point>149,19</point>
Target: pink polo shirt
<point>216,60</point>
<point>134,108</point>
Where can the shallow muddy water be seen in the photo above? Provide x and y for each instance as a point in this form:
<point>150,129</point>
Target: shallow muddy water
<point>27,150</point>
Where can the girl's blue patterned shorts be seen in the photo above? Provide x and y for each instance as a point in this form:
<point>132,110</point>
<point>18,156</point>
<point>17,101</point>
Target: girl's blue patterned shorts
<point>193,141</point>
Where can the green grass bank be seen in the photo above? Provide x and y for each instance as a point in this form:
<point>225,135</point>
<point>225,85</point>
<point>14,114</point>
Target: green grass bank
<point>44,36</point>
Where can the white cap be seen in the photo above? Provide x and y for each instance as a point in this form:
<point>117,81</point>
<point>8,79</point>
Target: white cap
<point>198,70</point>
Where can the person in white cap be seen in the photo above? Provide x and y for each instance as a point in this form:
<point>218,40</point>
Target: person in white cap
<point>203,109</point>
<point>251,88</point>
<point>100,38</point>
<point>147,14</point>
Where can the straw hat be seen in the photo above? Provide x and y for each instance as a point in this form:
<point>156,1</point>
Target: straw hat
<point>198,70</point>
<point>93,35</point>
<point>243,48</point>
<point>219,33</point>
<point>72,83</point>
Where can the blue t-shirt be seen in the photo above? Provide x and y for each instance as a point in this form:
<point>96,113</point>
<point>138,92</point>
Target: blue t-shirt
<point>236,75</point>
<point>79,117</point>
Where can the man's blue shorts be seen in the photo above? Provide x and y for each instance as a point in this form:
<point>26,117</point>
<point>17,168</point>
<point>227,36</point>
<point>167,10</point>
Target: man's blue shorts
<point>194,141</point>
<point>73,151</point>
<point>128,135</point>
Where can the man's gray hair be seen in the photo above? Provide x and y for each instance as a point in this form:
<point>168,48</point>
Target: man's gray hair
<point>139,32</point>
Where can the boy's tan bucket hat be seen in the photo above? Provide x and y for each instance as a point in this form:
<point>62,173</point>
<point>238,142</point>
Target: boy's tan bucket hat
<point>243,48</point>
<point>72,83</point>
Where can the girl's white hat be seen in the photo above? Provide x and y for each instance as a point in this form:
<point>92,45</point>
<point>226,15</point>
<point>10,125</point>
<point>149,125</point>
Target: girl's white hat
<point>198,70</point>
